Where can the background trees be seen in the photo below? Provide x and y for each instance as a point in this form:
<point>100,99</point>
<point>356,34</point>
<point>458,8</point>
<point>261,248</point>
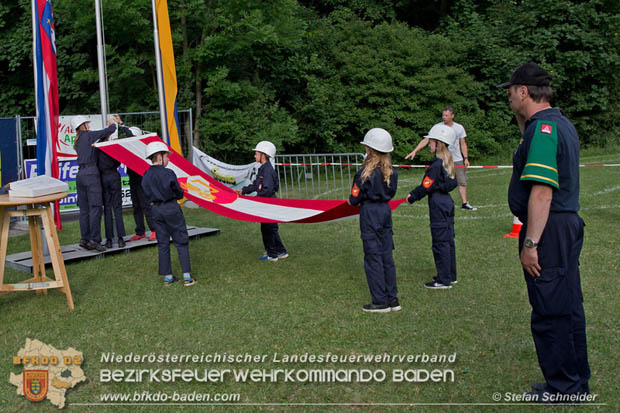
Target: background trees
<point>314,75</point>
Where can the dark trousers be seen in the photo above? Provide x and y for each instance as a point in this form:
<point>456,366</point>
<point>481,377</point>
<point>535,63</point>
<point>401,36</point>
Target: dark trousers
<point>558,321</point>
<point>379,266</point>
<point>170,222</point>
<point>271,239</point>
<point>444,251</point>
<point>90,202</point>
<point>112,204</point>
<point>141,208</point>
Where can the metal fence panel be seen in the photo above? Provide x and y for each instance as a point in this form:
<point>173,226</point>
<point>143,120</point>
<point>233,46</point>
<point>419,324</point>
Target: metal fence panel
<point>317,176</point>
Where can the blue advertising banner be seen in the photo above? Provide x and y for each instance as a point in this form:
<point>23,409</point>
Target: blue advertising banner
<point>8,150</point>
<point>67,173</point>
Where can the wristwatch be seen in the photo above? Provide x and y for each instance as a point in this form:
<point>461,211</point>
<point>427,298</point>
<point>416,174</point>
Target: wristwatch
<point>530,243</point>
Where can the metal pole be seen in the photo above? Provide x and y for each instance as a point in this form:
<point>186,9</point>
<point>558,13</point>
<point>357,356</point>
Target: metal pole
<point>103,96</point>
<point>191,136</point>
<point>34,65</point>
<point>20,153</point>
<point>160,78</point>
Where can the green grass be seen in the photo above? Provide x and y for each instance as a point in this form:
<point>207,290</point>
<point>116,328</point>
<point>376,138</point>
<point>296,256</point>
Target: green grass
<point>312,302</point>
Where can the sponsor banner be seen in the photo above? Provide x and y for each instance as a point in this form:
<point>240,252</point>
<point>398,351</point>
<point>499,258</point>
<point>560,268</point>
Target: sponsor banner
<point>234,176</point>
<point>68,170</point>
<point>66,135</point>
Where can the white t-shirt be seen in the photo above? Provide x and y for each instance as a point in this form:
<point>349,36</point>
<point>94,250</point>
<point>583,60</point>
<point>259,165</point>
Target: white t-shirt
<point>455,149</point>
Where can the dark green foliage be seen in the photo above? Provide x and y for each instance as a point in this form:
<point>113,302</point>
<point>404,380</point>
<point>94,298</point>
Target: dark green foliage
<point>314,75</point>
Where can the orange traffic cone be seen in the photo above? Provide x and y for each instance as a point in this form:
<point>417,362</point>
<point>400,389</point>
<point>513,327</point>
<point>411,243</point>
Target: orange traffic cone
<point>516,228</point>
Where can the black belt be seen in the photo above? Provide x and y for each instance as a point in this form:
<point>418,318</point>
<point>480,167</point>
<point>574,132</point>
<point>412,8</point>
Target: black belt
<point>161,202</point>
<point>86,165</point>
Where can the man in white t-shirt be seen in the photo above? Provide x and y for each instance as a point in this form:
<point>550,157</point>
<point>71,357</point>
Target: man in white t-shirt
<point>458,150</point>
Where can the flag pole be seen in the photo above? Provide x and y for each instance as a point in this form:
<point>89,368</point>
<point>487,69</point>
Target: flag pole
<point>103,95</point>
<point>160,79</point>
<point>34,58</point>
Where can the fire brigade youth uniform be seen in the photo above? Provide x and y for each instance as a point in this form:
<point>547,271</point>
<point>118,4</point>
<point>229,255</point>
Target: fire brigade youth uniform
<point>88,181</point>
<point>162,189</point>
<point>112,197</point>
<point>141,208</point>
<point>437,184</point>
<point>549,154</point>
<point>266,185</point>
<point>373,196</point>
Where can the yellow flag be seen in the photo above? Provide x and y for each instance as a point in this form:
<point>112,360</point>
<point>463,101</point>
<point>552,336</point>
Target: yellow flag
<point>169,74</point>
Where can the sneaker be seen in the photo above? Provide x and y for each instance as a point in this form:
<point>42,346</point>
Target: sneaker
<point>153,236</point>
<point>434,285</point>
<point>376,308</point>
<point>188,282</point>
<point>454,282</point>
<point>96,246</point>
<point>168,281</point>
<point>283,255</point>
<point>466,206</point>
<point>394,305</point>
<point>267,258</point>
<point>136,237</point>
<point>84,244</point>
<point>121,243</point>
<point>108,243</point>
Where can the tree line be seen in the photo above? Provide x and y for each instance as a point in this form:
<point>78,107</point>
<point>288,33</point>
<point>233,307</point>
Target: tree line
<point>313,75</point>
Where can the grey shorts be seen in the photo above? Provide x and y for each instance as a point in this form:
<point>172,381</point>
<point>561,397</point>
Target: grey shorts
<point>461,178</point>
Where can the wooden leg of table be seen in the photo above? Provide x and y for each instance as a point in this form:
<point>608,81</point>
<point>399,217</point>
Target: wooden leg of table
<point>58,263</point>
<point>38,263</point>
<point>4,239</point>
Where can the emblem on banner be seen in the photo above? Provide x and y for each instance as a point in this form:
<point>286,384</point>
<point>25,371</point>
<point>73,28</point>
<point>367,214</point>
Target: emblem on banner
<point>36,384</point>
<point>201,188</point>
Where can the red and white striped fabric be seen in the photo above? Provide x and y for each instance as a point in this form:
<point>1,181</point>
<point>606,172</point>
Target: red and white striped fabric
<point>217,197</point>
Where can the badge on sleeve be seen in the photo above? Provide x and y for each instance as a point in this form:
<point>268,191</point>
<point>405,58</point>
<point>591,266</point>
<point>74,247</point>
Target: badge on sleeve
<point>546,128</point>
<point>355,191</point>
<point>427,182</point>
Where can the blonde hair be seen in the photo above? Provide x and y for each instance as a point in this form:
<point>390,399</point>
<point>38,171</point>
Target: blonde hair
<point>77,136</point>
<point>443,153</point>
<point>377,160</point>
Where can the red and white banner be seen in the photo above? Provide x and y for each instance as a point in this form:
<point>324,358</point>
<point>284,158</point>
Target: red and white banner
<point>216,197</point>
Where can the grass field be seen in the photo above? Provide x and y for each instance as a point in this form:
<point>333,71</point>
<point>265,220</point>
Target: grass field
<point>311,303</point>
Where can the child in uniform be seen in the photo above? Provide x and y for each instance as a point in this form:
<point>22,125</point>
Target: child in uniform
<point>373,186</point>
<point>439,180</point>
<point>162,189</point>
<point>266,184</point>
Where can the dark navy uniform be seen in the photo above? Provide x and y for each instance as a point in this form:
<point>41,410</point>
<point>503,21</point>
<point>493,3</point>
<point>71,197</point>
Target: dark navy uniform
<point>88,182</point>
<point>549,154</point>
<point>437,184</point>
<point>112,195</point>
<point>266,185</point>
<point>162,189</point>
<point>141,208</point>
<point>376,230</point>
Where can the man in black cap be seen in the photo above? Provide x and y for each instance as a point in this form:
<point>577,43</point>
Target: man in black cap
<point>544,195</point>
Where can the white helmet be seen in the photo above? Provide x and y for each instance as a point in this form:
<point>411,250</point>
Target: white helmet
<point>267,148</point>
<point>136,131</point>
<point>442,133</point>
<point>156,147</point>
<point>379,140</point>
<point>77,121</point>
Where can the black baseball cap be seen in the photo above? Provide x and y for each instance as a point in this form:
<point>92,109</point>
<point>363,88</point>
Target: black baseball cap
<point>528,74</point>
